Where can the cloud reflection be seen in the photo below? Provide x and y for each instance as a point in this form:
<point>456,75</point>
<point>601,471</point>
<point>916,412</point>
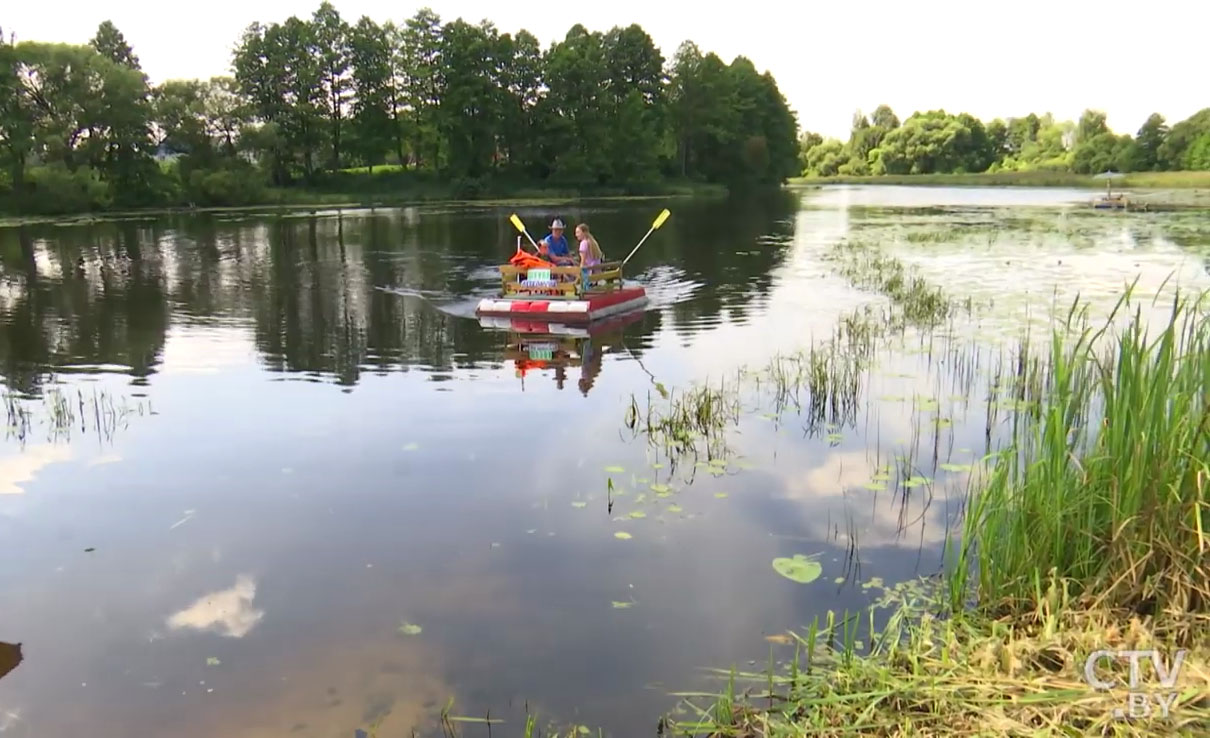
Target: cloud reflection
<point>228,612</point>
<point>23,467</point>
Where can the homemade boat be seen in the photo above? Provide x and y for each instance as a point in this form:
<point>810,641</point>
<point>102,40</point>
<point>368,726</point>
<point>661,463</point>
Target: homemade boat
<point>535,290</point>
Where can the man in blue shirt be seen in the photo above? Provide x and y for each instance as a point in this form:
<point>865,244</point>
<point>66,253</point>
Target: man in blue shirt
<point>554,245</point>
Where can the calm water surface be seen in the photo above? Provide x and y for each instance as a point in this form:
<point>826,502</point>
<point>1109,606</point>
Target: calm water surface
<point>288,439</point>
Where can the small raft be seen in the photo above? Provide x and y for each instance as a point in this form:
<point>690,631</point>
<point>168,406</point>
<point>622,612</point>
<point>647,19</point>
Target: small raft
<point>536,290</point>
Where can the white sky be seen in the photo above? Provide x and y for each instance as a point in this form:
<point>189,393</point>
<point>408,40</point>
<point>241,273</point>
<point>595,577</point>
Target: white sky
<point>829,58</point>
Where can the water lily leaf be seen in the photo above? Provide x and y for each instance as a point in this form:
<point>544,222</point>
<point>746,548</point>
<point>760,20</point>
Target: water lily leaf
<point>893,398</point>
<point>675,509</point>
<point>943,422</point>
<point>411,447</point>
<point>874,582</point>
<point>212,661</point>
<point>720,495</point>
<point>583,730</point>
<point>614,469</point>
<point>876,486</point>
<point>579,504</point>
<point>662,495</point>
<point>835,437</point>
<point>956,467</point>
<point>800,568</point>
<point>657,465</point>
<point>881,477</point>
<point>623,535</point>
<point>915,482</point>
<point>641,498</point>
<point>717,462</point>
<point>638,514</point>
<point>838,580</point>
<point>409,629</point>
<point>621,605</point>
<point>661,488</point>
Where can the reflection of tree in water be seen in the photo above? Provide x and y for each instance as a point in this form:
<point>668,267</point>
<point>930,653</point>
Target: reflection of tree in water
<point>80,296</point>
<point>731,248</point>
<point>104,293</point>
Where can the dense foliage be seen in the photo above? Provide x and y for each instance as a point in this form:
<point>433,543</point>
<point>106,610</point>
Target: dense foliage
<point>310,99</point>
<point>937,142</point>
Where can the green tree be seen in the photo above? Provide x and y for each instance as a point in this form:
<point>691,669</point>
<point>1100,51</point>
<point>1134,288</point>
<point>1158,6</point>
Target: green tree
<point>1092,123</point>
<point>17,117</point>
<point>579,129</point>
<point>825,159</point>
<point>329,48</point>
<point>470,97</point>
<point>373,120</point>
<point>1150,138</point>
<point>634,87</point>
<point>421,66</point>
<point>110,43</point>
<point>1174,152</point>
<point>520,128</point>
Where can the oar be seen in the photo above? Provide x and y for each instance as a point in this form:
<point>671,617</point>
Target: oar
<point>521,227</point>
<point>659,221</point>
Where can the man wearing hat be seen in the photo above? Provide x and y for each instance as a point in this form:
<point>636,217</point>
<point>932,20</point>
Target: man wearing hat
<point>554,245</point>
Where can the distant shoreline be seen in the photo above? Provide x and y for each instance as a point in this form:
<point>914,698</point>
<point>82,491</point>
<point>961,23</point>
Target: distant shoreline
<point>284,199</point>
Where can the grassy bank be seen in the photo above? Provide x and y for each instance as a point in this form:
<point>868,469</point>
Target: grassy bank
<point>1144,180</point>
<point>1088,531</point>
<point>385,186</point>
<point>294,198</point>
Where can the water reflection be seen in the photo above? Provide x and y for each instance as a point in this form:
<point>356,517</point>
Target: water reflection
<point>228,612</point>
<point>342,293</point>
<point>485,514</point>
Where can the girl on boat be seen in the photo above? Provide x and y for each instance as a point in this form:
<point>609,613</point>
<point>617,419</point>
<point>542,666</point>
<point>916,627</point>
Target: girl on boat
<point>590,250</point>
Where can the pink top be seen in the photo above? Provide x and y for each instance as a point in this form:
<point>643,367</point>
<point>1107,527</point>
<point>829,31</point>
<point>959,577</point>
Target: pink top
<point>586,254</point>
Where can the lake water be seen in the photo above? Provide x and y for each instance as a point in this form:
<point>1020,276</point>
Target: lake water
<point>274,478</point>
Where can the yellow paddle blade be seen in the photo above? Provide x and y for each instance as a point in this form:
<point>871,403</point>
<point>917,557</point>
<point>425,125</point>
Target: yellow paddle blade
<point>517,222</point>
<point>660,220</point>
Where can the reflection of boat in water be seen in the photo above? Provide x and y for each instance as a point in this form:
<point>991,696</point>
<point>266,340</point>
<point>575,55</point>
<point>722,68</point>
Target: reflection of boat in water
<point>535,345</point>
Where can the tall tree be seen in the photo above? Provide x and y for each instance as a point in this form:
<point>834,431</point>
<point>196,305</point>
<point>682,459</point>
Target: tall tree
<point>329,40</point>
<point>1150,138</point>
<point>520,127</point>
<point>420,60</point>
<point>110,43</point>
<point>373,116</point>
<point>470,96</point>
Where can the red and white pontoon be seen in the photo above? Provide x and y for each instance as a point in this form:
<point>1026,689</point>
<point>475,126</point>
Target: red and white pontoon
<point>537,291</point>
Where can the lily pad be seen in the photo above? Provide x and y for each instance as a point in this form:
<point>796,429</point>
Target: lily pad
<point>675,509</point>
<point>717,462</point>
<point>212,661</point>
<point>614,469</point>
<point>835,437</point>
<point>579,504</point>
<point>720,495</point>
<point>409,629</point>
<point>641,498</point>
<point>838,580</point>
<point>661,488</point>
<point>411,447</point>
<point>874,485</point>
<point>621,605</point>
<point>623,535</point>
<point>881,477</point>
<point>800,568</point>
<point>956,467</point>
<point>657,465</point>
<point>915,482</point>
<point>637,514</point>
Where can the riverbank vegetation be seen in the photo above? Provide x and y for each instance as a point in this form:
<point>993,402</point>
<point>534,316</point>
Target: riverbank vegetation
<point>1083,530</point>
<point>425,106</point>
<point>937,142</point>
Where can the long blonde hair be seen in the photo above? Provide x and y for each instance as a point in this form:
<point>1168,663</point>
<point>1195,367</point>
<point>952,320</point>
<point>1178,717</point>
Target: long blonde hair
<point>594,248</point>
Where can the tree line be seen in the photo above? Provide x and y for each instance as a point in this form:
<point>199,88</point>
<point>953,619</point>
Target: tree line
<point>310,99</point>
<point>937,142</point>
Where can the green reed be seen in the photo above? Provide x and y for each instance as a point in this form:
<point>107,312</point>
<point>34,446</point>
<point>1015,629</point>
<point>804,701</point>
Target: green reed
<point>1107,484</point>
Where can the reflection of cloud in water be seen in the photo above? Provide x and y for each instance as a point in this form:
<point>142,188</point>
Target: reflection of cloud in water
<point>228,612</point>
<point>883,518</point>
<point>195,350</point>
<point>104,459</point>
<point>25,465</point>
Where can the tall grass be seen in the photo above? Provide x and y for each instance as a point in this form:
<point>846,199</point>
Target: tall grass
<point>1107,486</point>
